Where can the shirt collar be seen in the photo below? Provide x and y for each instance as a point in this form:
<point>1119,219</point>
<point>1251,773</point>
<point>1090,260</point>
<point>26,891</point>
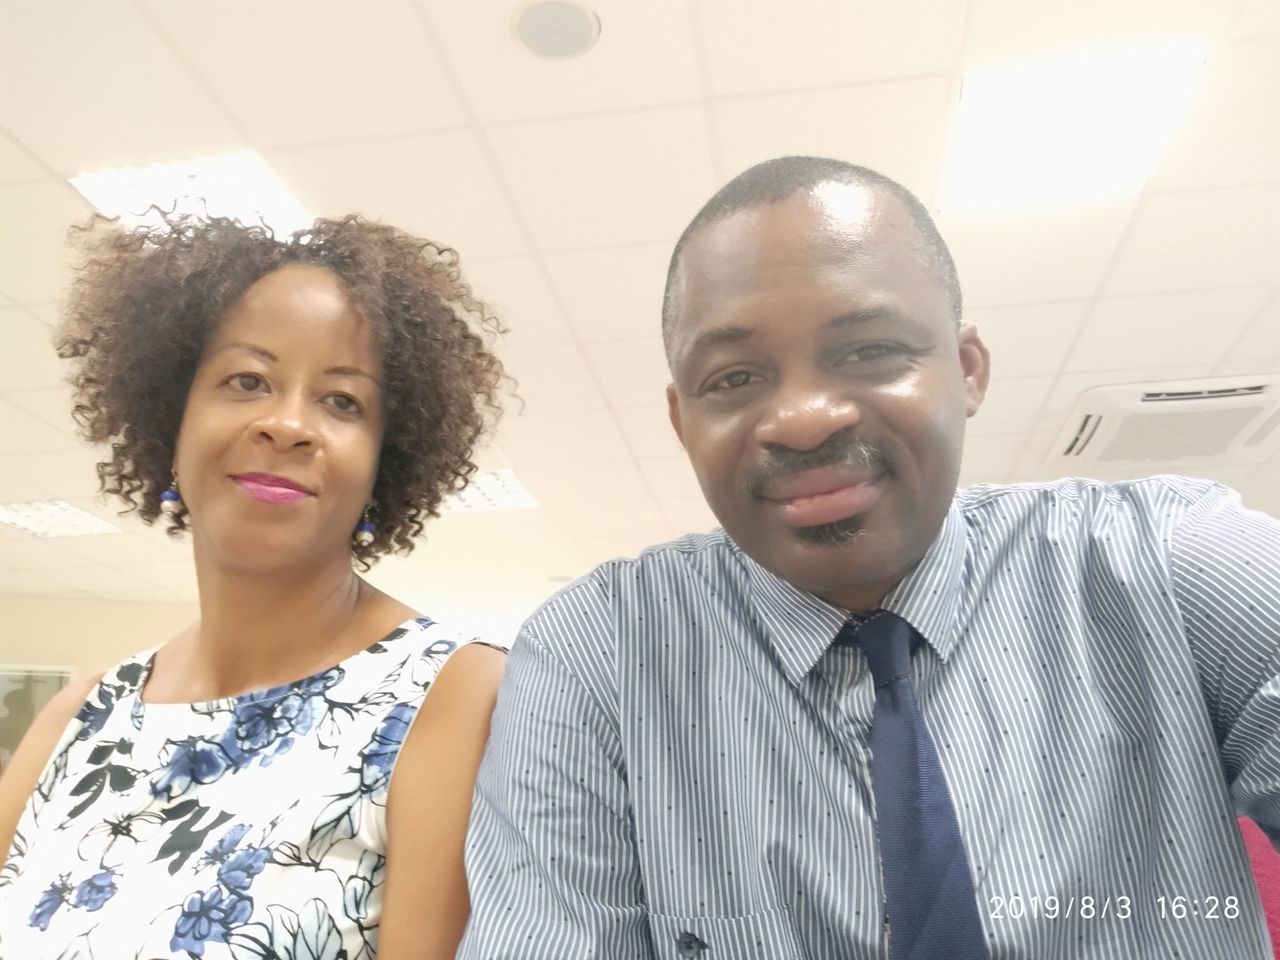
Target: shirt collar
<point>801,626</point>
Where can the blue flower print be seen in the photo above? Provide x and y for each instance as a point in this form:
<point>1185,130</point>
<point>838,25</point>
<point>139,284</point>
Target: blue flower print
<point>193,760</point>
<point>260,723</point>
<point>50,901</point>
<point>379,755</point>
<point>219,852</point>
<point>241,867</point>
<point>208,917</point>
<point>96,891</point>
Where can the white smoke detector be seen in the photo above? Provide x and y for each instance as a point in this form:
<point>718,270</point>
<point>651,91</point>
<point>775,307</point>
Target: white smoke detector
<point>557,29</point>
<point>1175,423</point>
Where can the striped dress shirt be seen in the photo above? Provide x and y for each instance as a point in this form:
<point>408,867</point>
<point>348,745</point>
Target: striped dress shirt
<point>678,764</point>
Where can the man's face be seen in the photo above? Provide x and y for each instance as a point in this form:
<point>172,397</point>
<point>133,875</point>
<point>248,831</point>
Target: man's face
<point>821,387</point>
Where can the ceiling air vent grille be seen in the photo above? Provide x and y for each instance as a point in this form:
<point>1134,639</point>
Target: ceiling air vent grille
<point>1173,425</point>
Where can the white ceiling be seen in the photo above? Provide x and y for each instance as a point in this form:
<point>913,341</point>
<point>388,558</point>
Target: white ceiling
<point>564,184</point>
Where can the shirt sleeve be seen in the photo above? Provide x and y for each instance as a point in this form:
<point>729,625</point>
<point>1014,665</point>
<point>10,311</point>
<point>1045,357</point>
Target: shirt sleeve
<point>551,854</point>
<point>1226,578</point>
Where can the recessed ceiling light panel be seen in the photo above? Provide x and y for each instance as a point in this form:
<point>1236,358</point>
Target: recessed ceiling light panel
<point>237,185</point>
<point>557,29</point>
<point>1084,127</point>
<point>492,490</point>
<point>53,518</point>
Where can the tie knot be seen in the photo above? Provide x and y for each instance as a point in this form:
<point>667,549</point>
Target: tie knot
<point>887,640</point>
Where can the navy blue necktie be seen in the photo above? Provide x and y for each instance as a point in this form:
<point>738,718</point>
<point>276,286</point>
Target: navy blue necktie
<point>931,906</point>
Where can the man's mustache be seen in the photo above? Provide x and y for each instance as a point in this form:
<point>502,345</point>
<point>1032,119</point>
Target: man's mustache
<point>841,449</point>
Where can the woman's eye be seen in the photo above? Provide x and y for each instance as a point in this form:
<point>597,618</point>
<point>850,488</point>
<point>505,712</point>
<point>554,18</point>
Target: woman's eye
<point>343,403</point>
<point>248,382</point>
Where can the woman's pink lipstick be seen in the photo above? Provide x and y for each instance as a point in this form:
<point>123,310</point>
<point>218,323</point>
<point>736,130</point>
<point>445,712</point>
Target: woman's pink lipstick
<point>270,489</point>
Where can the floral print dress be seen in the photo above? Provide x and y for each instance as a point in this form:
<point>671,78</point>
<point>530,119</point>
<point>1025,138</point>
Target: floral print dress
<point>250,827</point>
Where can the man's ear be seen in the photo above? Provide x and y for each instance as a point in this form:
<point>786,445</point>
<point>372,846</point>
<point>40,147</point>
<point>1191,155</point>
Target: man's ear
<point>975,365</point>
<point>673,412</point>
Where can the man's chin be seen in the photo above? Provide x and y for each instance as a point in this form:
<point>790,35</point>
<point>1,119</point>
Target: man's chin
<point>835,534</point>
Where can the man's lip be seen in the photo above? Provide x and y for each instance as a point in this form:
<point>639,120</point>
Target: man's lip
<point>270,480</point>
<point>812,483</point>
<point>819,497</point>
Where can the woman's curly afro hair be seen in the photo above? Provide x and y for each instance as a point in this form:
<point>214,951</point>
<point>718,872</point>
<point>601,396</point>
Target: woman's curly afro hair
<point>145,301</point>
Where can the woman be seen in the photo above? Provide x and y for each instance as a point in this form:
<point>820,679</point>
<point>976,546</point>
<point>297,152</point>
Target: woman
<point>258,786</point>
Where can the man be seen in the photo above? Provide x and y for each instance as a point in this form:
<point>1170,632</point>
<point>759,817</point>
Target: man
<point>872,717</point>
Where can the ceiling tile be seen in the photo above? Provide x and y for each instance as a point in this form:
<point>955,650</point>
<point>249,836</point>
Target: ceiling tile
<point>26,583</point>
<point>633,373</point>
<point>560,488</point>
<point>50,314</point>
<point>569,438</point>
<point>22,434</point>
<point>438,186</point>
<point>128,548</point>
<point>110,90</point>
<point>611,517</point>
<point>516,289</point>
<point>755,45</point>
<point>551,379</point>
<point>16,164</point>
<point>644,56</point>
<point>37,553</point>
<point>619,179</point>
<point>356,70</point>
<point>898,129</point>
<point>1202,239</point>
<point>1011,406</point>
<point>648,432</point>
<point>595,550</point>
<point>671,478</point>
<point>16,489</point>
<point>688,515</point>
<point>613,293</point>
<point>176,578</point>
<point>101,580</point>
<point>1031,339</point>
<point>1258,350</point>
<point>61,473</point>
<point>989,459</point>
<point>1231,136</point>
<point>1014,29</point>
<point>1168,329</point>
<point>1034,258</point>
<point>1254,18</point>
<point>34,255</point>
<point>52,405</point>
<point>28,360</point>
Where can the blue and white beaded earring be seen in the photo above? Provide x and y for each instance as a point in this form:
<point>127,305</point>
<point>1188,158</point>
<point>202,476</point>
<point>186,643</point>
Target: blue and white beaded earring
<point>365,529</point>
<point>171,499</point>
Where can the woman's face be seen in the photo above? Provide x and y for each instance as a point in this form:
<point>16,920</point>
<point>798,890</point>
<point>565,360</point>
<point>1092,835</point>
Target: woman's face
<point>278,449</point>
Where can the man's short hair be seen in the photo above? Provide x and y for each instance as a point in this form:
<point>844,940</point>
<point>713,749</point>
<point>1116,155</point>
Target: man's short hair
<point>775,180</point>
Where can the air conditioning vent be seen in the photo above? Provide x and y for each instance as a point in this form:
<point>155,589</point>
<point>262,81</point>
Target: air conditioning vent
<point>1173,425</point>
<point>1166,396</point>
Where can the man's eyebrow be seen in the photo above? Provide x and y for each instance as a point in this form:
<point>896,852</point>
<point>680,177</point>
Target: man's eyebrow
<point>718,337</point>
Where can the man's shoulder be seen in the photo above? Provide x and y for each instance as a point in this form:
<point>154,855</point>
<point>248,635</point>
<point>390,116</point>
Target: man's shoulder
<point>664,576</point>
<point>1154,494</point>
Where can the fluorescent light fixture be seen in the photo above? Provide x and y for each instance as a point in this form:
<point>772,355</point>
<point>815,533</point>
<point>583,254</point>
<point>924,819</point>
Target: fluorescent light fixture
<point>236,185</point>
<point>492,490</point>
<point>53,518</point>
<point>1078,128</point>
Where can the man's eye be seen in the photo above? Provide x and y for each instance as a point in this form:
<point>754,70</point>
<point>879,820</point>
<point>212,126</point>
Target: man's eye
<point>731,381</point>
<point>874,351</point>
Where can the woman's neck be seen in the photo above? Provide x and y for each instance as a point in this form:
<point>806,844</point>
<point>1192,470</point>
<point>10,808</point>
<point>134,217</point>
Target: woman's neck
<point>259,630</point>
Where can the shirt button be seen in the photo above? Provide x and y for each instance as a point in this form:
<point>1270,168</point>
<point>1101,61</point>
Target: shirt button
<point>690,944</point>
